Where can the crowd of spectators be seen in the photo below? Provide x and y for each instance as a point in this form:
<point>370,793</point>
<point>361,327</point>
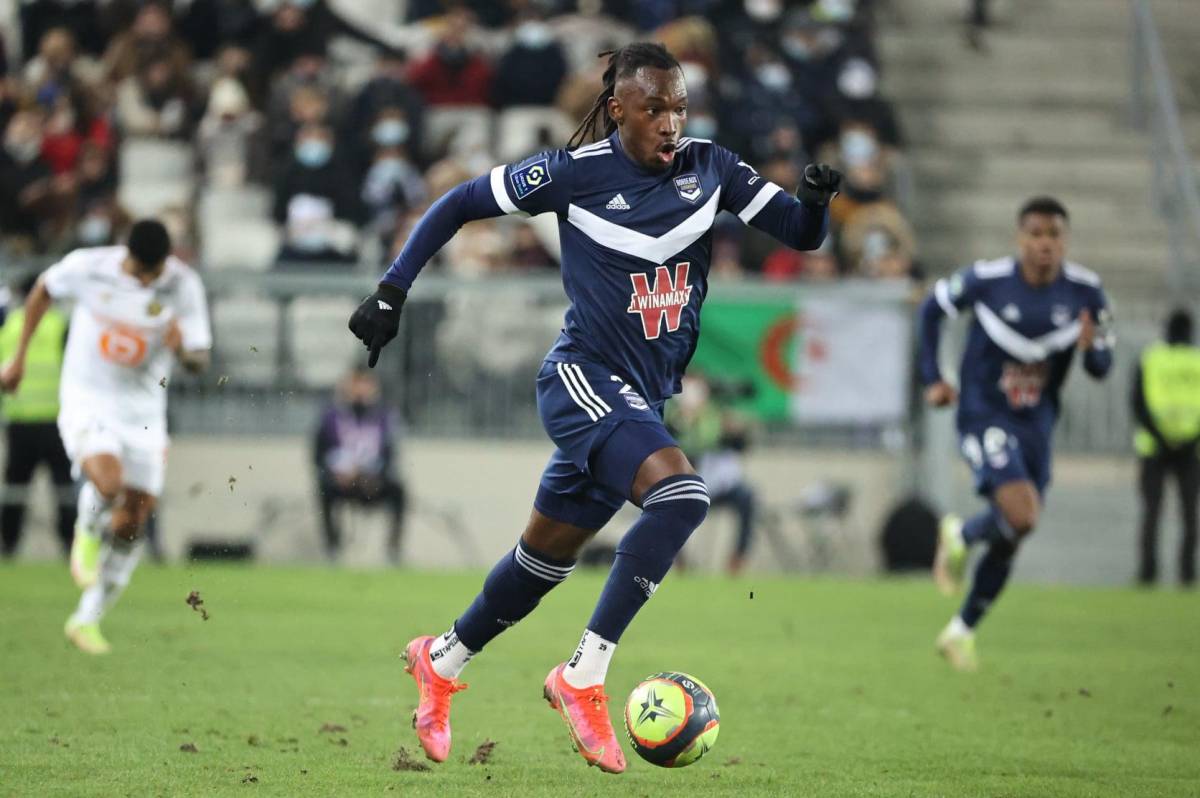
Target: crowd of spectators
<point>350,118</point>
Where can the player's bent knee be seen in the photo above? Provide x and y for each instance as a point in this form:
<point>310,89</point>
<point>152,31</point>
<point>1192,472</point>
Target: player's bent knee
<point>682,498</point>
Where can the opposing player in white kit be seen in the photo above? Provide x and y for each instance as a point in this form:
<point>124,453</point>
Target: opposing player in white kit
<point>137,309</point>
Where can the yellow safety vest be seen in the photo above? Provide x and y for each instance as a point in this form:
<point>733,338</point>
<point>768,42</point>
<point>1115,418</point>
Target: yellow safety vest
<point>37,398</point>
<point>1171,386</point>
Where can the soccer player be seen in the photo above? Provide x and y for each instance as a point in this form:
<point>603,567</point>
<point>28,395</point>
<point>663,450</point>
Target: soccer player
<point>1031,314</point>
<point>137,309</point>
<point>635,212</point>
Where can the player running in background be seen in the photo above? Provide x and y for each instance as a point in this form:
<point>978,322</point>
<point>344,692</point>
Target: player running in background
<point>1031,314</point>
<point>137,309</point>
<point>635,212</point>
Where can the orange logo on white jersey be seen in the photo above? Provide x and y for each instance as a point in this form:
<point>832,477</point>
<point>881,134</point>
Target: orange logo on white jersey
<point>123,346</point>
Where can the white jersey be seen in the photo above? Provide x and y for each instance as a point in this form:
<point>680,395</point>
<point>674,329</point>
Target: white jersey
<point>116,362</point>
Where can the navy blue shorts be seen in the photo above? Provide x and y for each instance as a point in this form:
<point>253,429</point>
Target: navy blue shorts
<point>604,431</point>
<point>1000,452</point>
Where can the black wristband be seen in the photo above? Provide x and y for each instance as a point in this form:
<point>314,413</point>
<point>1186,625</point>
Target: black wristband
<point>393,293</point>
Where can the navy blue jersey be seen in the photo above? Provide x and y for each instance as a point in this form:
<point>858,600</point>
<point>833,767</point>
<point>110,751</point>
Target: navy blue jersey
<point>636,246</point>
<point>1021,341</point>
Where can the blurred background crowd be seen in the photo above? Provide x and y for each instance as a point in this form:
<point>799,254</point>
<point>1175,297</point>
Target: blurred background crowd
<point>296,133</point>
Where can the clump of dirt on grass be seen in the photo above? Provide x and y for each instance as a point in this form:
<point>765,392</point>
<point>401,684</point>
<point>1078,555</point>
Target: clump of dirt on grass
<point>331,728</point>
<point>189,748</point>
<point>403,761</point>
<point>483,753</point>
<point>197,604</point>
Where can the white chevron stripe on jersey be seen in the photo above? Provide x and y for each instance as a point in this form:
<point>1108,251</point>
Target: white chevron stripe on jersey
<point>655,249</point>
<point>1027,350</point>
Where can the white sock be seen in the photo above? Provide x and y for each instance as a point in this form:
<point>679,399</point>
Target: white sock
<point>959,628</point>
<point>116,569</point>
<point>449,655</point>
<point>590,664</point>
<point>93,510</point>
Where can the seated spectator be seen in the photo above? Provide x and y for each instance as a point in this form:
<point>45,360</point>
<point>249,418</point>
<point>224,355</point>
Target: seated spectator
<point>231,140</point>
<point>156,102</point>
<point>72,126</point>
<point>877,241</point>
<point>454,72</point>
<point>102,223</point>
<point>355,452</point>
<point>527,254</point>
<point>150,37</point>
<point>80,17</point>
<point>54,70</point>
<point>308,93</point>
<point>97,177</point>
<point>387,88</point>
<point>532,69</point>
<point>35,205</point>
<point>391,187</point>
<point>316,199</point>
<point>766,98</point>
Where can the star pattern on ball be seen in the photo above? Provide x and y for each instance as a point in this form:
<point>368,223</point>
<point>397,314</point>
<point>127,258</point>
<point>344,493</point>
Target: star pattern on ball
<point>652,709</point>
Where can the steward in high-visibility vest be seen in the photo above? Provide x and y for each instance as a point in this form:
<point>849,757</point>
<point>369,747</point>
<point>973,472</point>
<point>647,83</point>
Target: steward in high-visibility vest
<point>36,400</point>
<point>31,434</point>
<point>1166,404</point>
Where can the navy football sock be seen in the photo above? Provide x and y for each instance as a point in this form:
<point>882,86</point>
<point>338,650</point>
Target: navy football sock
<point>990,576</point>
<point>510,592</point>
<point>987,527</point>
<point>671,511</point>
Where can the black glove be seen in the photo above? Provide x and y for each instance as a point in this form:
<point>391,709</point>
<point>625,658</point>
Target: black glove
<point>377,319</point>
<point>820,184</point>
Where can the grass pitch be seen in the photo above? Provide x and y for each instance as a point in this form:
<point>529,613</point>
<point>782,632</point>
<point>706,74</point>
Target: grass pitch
<point>293,687</point>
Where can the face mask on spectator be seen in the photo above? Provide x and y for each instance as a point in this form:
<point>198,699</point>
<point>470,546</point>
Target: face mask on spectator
<point>313,153</point>
<point>763,10</point>
<point>857,79</point>
<point>533,34</point>
<point>774,76</point>
<point>301,3</point>
<point>704,127</point>
<point>858,147</point>
<point>390,132</point>
<point>836,10</point>
<point>94,230</point>
<point>453,56</point>
<point>23,150</point>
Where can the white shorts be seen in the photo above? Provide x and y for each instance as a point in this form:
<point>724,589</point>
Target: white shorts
<point>142,450</point>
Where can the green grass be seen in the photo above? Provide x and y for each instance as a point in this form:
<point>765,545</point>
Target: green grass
<point>825,688</point>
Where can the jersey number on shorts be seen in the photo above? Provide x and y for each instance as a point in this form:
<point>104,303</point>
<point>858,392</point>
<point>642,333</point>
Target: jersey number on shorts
<point>123,346</point>
<point>662,303</point>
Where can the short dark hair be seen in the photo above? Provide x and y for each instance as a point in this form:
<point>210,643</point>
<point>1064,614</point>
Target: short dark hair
<point>1179,326</point>
<point>622,62</point>
<point>149,242</point>
<point>1043,205</point>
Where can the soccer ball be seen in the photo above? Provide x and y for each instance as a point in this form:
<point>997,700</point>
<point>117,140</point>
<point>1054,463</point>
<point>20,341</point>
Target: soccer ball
<point>672,719</point>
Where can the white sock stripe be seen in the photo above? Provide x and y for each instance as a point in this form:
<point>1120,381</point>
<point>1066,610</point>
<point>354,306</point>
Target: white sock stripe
<point>566,569</point>
<point>587,387</point>
<point>698,496</point>
<point>571,390</point>
<point>534,567</point>
<point>676,487</point>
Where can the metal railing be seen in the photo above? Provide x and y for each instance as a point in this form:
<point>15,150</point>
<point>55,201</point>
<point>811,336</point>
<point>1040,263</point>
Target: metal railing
<point>1154,109</point>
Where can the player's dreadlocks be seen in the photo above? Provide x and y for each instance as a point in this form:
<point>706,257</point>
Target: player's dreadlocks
<point>622,63</point>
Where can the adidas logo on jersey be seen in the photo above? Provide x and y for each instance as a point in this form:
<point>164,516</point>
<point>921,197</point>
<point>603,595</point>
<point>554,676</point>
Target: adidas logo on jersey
<point>383,305</point>
<point>617,203</point>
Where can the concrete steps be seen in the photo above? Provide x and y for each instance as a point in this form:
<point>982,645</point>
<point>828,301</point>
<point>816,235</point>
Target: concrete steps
<point>1043,110</point>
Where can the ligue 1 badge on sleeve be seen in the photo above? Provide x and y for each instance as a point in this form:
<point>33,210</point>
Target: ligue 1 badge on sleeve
<point>689,187</point>
<point>154,308</point>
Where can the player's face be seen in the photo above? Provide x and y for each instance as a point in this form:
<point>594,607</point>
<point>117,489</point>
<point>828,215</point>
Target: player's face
<point>1042,242</point>
<point>650,109</point>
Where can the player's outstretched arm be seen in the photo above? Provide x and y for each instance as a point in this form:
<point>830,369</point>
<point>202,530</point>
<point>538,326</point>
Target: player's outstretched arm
<point>36,306</point>
<point>377,319</point>
<point>802,222</point>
